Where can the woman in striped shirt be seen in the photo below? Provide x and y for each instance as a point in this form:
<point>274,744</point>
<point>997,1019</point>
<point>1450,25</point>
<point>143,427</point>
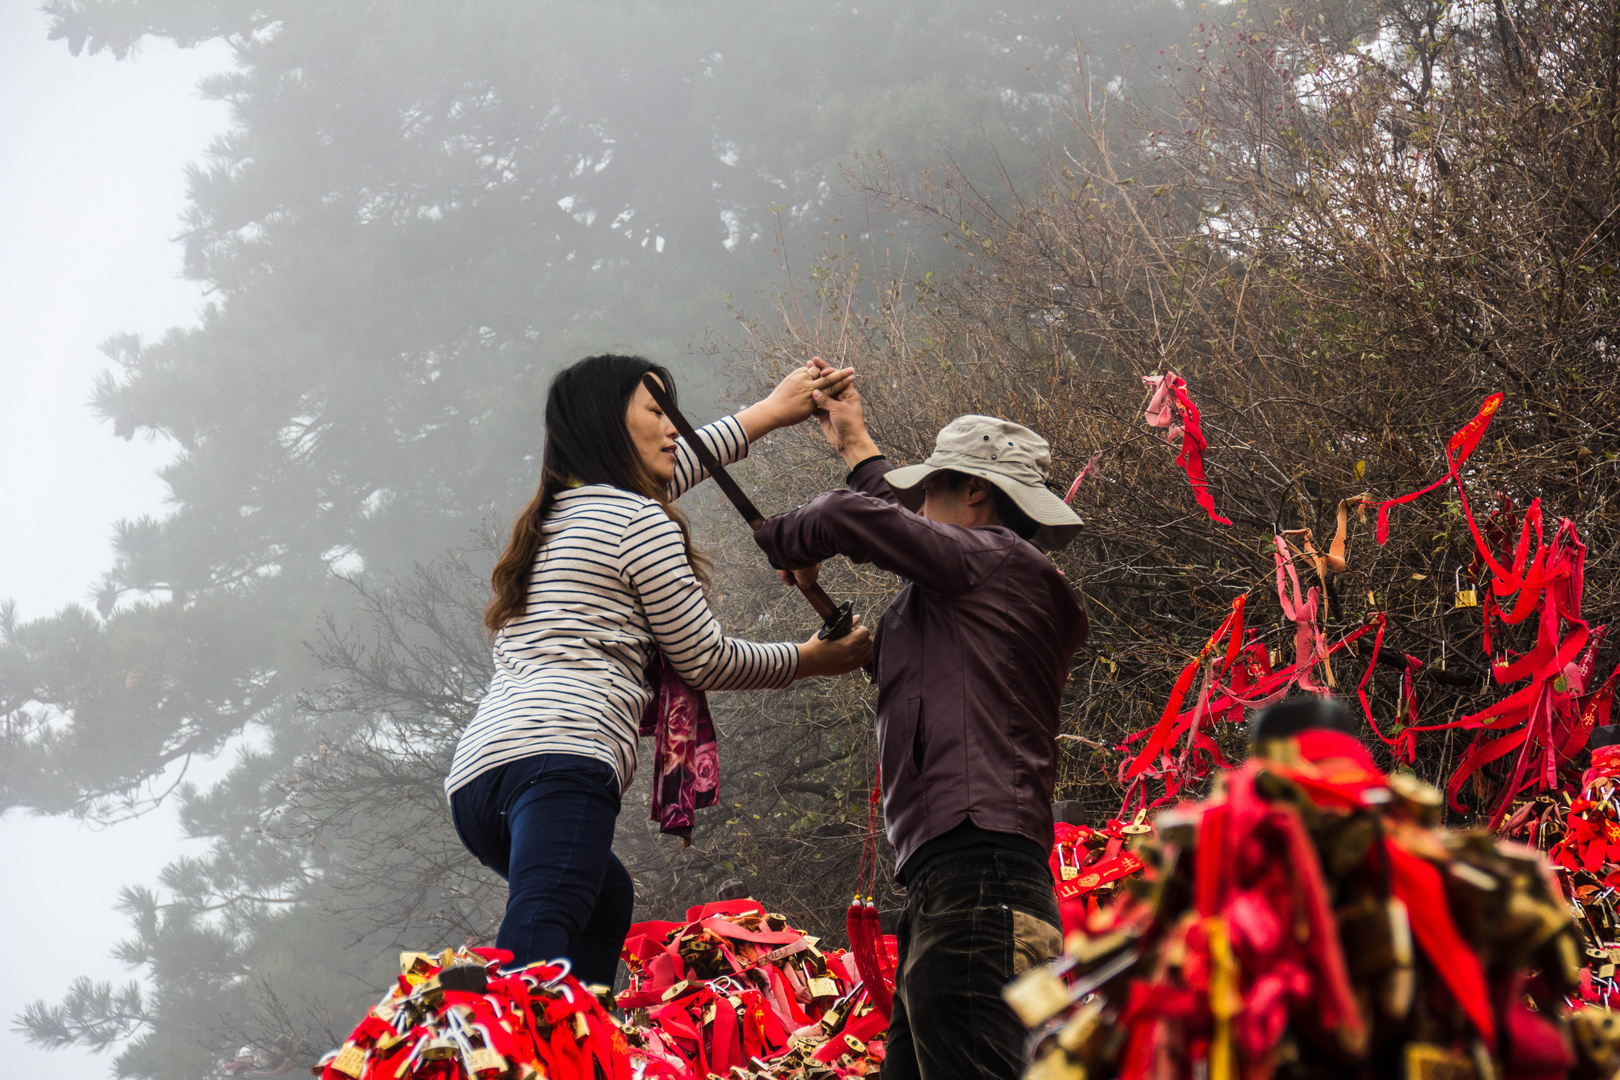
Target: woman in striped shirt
<point>598,578</point>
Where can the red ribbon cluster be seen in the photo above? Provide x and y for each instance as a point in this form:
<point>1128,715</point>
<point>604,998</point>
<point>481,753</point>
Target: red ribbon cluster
<point>1085,860</point>
<point>1553,714</point>
<point>1262,941</point>
<point>1591,839</point>
<point>1238,676</point>
<point>731,984</point>
<point>729,988</point>
<point>875,954</point>
<point>535,1022</point>
<point>1546,721</point>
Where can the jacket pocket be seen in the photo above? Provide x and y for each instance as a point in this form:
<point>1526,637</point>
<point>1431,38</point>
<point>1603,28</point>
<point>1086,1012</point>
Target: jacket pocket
<point>902,750</point>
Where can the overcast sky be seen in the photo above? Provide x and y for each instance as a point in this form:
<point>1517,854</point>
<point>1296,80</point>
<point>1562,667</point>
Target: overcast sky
<point>92,156</point>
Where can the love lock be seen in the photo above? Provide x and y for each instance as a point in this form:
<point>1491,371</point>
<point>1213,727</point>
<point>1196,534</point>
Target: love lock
<point>476,1058</point>
<point>1037,995</point>
<point>350,1060</point>
<point>440,1049</point>
<point>1597,1035</point>
<point>1468,597</point>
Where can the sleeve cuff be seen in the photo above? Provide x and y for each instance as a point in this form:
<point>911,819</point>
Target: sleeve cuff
<point>859,465</point>
<point>742,438</point>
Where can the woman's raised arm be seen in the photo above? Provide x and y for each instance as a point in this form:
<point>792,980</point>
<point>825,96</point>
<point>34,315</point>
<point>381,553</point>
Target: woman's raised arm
<point>728,438</point>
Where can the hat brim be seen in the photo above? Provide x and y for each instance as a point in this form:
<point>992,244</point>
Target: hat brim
<point>1057,522</point>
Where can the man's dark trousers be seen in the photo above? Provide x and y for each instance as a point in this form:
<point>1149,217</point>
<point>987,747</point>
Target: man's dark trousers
<point>973,921</point>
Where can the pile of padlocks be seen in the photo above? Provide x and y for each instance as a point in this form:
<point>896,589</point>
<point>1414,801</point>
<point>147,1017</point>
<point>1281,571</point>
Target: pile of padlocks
<point>458,1017</point>
<point>732,991</point>
<point>1089,864</point>
<point>735,989</point>
<point>1581,835</point>
<point>1311,920</point>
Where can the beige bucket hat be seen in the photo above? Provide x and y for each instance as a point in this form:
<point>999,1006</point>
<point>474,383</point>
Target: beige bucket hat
<point>1010,456</point>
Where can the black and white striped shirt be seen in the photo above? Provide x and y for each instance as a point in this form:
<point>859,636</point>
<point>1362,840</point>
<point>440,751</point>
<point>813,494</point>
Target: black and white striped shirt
<point>610,585</point>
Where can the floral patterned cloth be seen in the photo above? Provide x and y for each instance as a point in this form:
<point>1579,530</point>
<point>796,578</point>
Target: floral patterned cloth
<point>686,759</point>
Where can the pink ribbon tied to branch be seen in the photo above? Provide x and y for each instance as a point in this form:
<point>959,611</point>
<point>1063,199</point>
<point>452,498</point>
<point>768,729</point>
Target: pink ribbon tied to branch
<point>1310,647</point>
<point>1172,408</point>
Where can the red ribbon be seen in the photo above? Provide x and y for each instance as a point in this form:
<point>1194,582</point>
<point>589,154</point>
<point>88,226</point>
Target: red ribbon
<point>1170,404</point>
<point>1457,450</point>
<point>1418,885</point>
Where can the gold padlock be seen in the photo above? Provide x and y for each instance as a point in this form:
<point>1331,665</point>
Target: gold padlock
<point>350,1060</point>
<point>1057,1065</point>
<point>1084,1034</point>
<point>1420,799</point>
<point>483,1059</point>
<point>1468,597</point>
<point>1426,1061</point>
<point>414,963</point>
<point>439,1049</point>
<point>1036,996</point>
<point>1597,1037</point>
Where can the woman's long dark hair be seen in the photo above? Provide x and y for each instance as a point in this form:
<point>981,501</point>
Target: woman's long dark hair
<point>586,443</point>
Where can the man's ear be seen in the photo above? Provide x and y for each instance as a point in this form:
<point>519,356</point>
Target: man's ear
<point>978,491</point>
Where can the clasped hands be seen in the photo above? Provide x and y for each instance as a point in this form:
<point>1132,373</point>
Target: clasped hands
<point>838,410</point>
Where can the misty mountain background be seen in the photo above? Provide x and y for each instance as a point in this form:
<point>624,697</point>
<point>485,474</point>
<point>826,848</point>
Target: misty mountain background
<point>415,213</point>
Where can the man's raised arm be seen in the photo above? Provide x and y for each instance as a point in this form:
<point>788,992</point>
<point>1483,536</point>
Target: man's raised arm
<point>864,523</point>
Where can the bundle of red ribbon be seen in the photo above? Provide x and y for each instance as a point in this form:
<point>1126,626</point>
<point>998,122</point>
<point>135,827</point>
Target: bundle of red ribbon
<point>1549,719</point>
<point>1311,918</point>
<point>730,991</point>
<point>483,1023</point>
<point>1087,864</point>
<point>1172,407</point>
<point>733,985</point>
<point>1238,675</point>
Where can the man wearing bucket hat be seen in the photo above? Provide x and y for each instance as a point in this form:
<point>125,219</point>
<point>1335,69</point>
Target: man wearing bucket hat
<point>970,661</point>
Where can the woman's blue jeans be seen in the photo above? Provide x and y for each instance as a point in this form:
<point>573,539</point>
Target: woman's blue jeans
<point>545,824</point>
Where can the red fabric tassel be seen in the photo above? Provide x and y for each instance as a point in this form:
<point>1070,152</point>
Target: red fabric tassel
<point>1417,884</point>
<point>1171,403</point>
